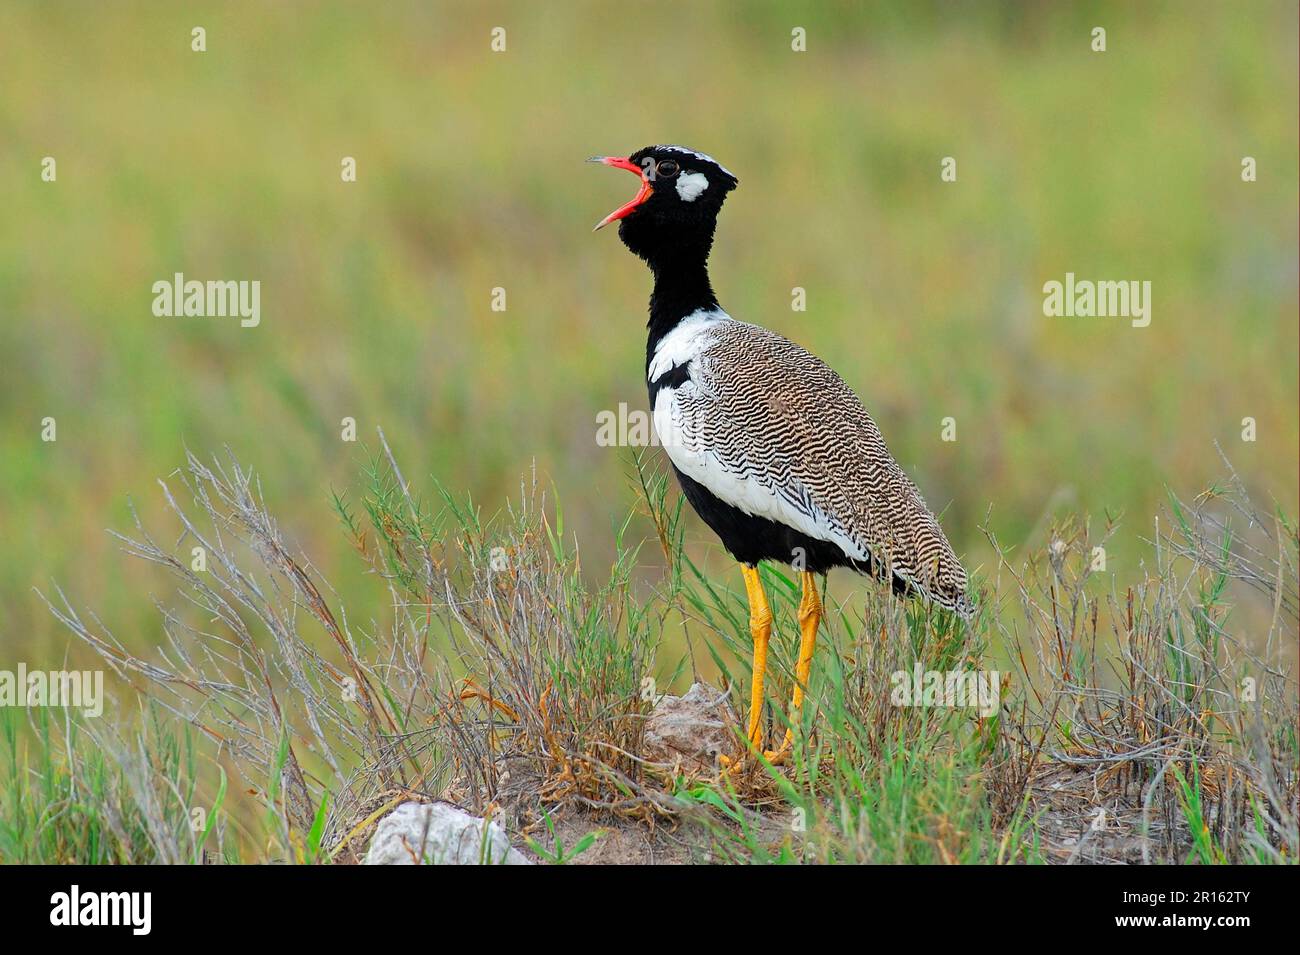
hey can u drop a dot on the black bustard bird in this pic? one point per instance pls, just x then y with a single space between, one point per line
773 450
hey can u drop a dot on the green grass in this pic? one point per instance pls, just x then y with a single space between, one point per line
497 676
67 797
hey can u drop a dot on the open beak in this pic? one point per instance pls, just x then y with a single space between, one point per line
641 196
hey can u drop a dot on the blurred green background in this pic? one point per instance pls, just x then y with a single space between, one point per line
376 294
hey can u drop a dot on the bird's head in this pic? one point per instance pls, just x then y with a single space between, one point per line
676 207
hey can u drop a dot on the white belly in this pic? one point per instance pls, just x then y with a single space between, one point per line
736 485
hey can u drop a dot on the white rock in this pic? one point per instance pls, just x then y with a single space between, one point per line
449 836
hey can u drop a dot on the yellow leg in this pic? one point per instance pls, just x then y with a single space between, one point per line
810 615
760 629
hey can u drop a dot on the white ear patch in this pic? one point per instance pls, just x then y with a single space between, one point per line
691 184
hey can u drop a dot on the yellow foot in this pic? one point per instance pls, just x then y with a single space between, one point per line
736 764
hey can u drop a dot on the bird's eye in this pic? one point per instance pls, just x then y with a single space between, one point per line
666 169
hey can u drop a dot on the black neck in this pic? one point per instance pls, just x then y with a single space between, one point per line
681 287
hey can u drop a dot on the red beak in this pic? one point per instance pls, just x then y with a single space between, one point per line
641 196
